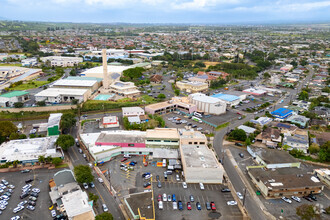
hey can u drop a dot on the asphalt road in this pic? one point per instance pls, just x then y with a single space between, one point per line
254 211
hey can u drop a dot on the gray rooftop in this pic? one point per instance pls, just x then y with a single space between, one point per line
63 177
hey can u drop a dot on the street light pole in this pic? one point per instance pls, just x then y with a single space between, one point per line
244 196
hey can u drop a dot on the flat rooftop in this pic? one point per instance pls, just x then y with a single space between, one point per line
199 156
76 203
111 69
14 94
73 83
189 134
142 201
121 136
288 178
272 156
53 92
204 98
165 133
226 97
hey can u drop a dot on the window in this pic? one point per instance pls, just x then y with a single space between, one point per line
195 142
201 142
167 141
131 145
190 142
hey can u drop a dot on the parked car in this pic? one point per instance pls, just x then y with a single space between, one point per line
286 199
100 180
164 197
295 198
124 159
159 197
145 174
201 186
180 205
188 205
36 190
92 185
198 206
22 203
32 198
184 185
28 180
32 203
30 207
169 198
241 155
192 198
177 177
213 206
175 205
160 205
312 197
145 185
34 194
173 198
225 190
239 195
208 206
24 195
85 185
159 184
18 208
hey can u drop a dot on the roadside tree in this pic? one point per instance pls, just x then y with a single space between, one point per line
65 141
83 174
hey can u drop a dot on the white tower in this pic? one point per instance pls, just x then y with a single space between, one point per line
105 69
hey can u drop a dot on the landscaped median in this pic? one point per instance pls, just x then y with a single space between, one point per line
219 127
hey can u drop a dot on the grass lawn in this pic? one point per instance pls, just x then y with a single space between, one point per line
29 85
62 165
11 64
222 126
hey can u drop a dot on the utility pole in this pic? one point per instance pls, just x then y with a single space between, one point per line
244 196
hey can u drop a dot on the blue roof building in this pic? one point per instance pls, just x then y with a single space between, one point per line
229 99
282 113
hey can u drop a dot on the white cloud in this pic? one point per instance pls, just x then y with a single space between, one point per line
200 4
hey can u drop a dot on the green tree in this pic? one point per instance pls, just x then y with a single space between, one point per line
93 197
15 163
324 154
18 104
161 96
13 136
67 121
296 153
56 161
177 92
247 142
22 136
238 134
83 174
65 141
104 216
74 101
286 147
307 212
41 159
314 148
303 95
6 128
266 75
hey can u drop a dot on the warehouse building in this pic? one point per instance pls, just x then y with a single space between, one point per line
230 100
199 163
255 92
60 95
10 98
114 72
91 85
99 80
27 151
207 104
282 113
62 61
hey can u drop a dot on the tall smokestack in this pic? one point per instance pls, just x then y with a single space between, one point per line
105 69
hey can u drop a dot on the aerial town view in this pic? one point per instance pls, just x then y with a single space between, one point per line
164 110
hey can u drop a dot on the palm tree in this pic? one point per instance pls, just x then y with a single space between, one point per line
41 159
15 163
48 159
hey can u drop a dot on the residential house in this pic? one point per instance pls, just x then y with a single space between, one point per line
270 137
299 120
299 142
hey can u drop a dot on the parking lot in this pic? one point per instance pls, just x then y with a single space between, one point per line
131 181
40 178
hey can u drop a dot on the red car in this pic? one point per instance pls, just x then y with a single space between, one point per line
238 113
213 206
123 160
188 206
159 197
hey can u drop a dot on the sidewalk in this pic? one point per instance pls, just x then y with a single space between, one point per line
248 186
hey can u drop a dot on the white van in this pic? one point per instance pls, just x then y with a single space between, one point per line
164 163
201 185
198 114
127 156
160 205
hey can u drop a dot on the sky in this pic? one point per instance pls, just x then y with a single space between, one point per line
168 11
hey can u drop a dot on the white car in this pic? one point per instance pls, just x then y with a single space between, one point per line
160 205
231 203
286 200
22 203
85 185
147 176
201 185
164 197
184 185
53 213
295 198
105 208
18 208
239 195
175 205
36 190
2 207
100 180
15 218
177 177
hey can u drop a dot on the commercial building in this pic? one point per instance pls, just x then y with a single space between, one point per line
53 125
125 89
14 73
192 87
132 111
109 122
162 138
27 151
281 113
255 92
91 85
68 197
218 74
29 62
61 95
114 72
207 104
122 139
99 80
141 205
177 103
62 61
230 100
247 129
198 161
272 159
276 183
324 175
111 54
10 98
